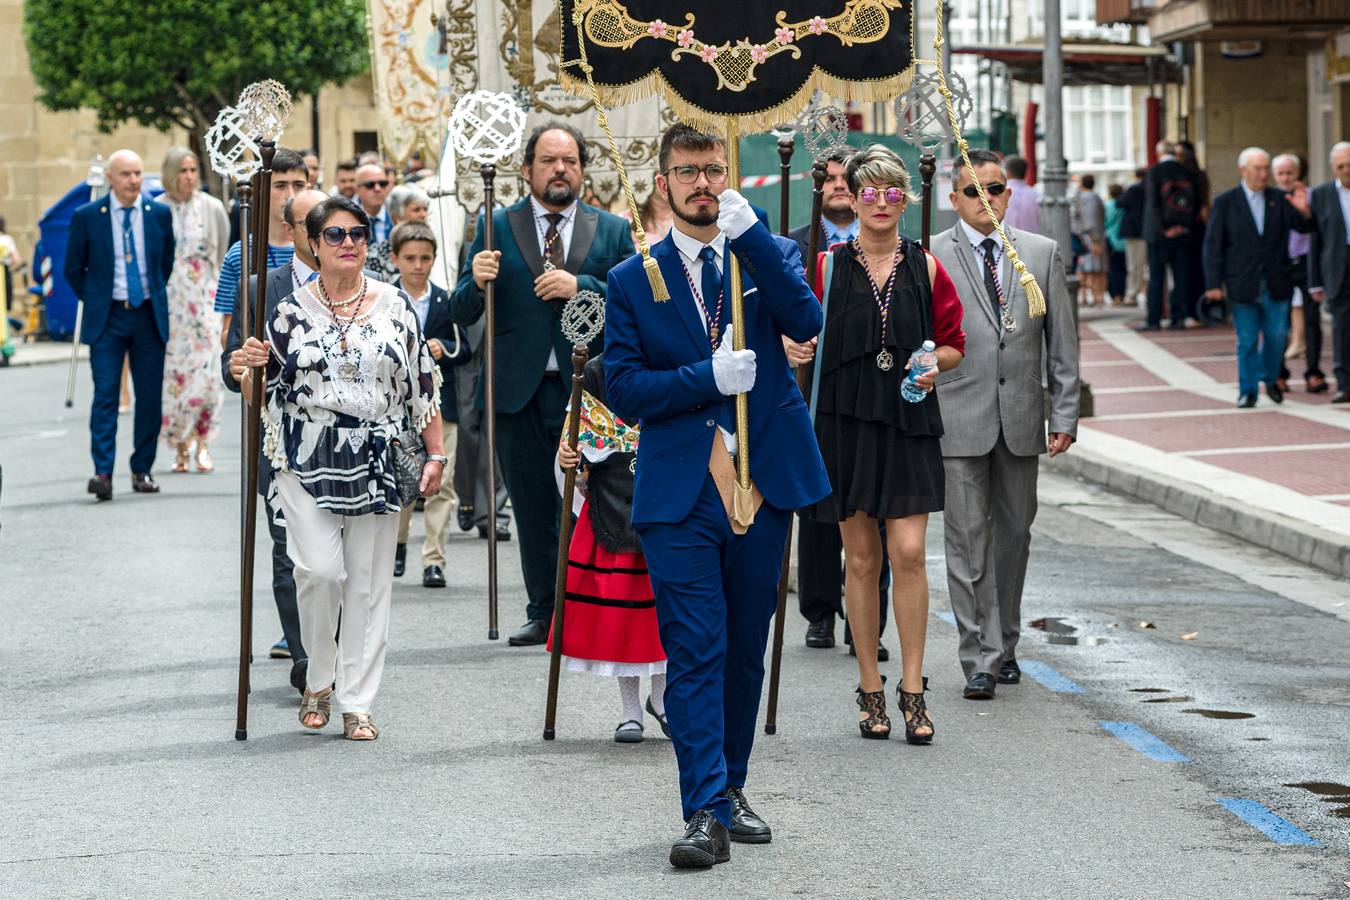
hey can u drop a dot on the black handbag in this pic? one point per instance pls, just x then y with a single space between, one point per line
407 456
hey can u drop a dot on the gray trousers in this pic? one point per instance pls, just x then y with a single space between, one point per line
471 463
990 505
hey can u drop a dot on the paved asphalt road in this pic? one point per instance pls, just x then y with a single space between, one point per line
1095 779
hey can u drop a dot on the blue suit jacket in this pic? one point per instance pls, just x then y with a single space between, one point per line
527 327
89 262
1239 259
658 371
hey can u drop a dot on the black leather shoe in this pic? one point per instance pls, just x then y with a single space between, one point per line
1341 397
503 533
979 687
706 842
820 634
1247 401
400 560
1010 672
532 632
883 655
101 487
142 483
746 827
1147 327
465 517
1275 392
299 669
433 577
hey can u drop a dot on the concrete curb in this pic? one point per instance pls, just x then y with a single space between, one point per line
43 354
1298 540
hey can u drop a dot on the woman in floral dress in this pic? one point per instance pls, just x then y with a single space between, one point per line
192 387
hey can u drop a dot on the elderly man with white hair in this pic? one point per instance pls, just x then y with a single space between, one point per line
118 261
1247 260
1305 318
1329 262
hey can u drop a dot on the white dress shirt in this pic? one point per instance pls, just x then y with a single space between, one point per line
421 305
301 273
119 291
1256 202
564 237
689 254
1343 194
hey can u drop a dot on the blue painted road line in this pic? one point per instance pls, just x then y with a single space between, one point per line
1049 678
948 617
1146 743
1278 829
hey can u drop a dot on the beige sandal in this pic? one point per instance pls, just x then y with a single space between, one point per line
320 704
353 722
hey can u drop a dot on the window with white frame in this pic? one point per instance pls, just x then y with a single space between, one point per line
1098 127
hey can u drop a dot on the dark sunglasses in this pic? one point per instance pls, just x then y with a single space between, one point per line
716 173
382 183
993 189
869 195
334 236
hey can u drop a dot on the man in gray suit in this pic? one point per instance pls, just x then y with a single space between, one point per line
993 419
1329 262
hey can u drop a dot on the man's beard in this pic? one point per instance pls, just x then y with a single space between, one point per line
556 194
699 219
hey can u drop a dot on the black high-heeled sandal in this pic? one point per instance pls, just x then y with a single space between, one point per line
874 704
916 715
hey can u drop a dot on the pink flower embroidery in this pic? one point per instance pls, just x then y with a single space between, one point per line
708 54
816 26
657 29
685 38
758 54
785 36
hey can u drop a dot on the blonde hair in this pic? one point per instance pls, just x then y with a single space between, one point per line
173 164
878 165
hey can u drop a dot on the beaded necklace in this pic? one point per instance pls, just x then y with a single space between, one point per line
711 320
346 370
882 296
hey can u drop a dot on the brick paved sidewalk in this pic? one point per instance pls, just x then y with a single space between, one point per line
1166 413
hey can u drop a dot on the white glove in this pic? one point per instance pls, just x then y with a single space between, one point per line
734 215
733 370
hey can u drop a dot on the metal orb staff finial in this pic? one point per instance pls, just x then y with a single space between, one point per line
266 109
230 146
923 114
583 317
486 126
824 130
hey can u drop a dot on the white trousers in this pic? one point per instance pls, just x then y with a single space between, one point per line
343 565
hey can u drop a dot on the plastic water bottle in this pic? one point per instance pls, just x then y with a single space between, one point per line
921 361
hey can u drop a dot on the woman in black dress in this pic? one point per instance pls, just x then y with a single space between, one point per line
884 296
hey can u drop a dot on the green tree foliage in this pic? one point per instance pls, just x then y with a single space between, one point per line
178 62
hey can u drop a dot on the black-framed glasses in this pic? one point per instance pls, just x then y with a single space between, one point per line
716 173
993 189
370 185
334 236
869 195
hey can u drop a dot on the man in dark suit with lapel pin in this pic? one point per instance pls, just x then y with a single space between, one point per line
282 281
550 245
118 261
1329 262
671 367
1247 259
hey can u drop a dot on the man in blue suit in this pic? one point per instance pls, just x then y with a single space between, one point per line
549 246
670 366
118 261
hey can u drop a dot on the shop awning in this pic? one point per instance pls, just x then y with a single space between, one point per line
1084 63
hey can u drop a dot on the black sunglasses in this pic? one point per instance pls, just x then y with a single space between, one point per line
993 189
334 236
382 183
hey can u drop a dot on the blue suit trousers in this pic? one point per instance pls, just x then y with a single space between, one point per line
715 594
129 332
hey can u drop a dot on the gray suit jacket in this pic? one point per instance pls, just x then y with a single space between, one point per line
997 387
1326 255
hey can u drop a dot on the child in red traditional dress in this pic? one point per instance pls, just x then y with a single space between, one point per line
609 615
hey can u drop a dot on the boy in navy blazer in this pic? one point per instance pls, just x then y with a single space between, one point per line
670 366
118 260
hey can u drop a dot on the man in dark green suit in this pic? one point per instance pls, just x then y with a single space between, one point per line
549 246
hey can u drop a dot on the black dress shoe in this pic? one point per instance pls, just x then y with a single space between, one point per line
532 632
1147 327
465 516
883 655
1010 672
400 560
706 842
1316 384
820 634
746 827
299 669
503 532
1247 401
1341 397
142 483
1275 392
979 687
433 577
101 487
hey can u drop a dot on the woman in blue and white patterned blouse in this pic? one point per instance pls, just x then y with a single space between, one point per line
348 372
